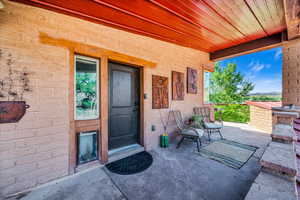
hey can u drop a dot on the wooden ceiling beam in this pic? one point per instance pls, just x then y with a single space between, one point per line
292 18
250 47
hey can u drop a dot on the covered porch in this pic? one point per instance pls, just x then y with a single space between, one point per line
105 74
175 174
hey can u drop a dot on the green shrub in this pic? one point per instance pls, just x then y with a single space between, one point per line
234 113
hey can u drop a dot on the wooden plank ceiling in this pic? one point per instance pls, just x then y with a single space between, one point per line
207 25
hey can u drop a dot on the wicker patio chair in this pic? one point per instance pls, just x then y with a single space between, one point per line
209 125
186 131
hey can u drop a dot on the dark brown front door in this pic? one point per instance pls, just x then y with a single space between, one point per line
124 105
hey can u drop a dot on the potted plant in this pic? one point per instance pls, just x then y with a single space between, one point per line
12 89
164 138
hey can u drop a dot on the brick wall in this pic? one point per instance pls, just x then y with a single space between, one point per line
261 118
291 73
35 150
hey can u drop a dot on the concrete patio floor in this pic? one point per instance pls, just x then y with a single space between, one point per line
175 174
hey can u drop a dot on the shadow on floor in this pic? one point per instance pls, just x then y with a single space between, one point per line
175 174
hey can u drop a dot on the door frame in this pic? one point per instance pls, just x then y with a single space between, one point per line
102 126
140 135
104 56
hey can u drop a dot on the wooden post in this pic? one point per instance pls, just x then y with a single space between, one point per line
72 135
104 109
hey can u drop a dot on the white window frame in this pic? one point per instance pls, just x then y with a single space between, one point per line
205 102
97 84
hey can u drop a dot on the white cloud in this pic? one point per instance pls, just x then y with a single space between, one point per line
278 54
257 66
268 85
252 63
250 75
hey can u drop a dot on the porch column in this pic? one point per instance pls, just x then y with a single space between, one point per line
291 73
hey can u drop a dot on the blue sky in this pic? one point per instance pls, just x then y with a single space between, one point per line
263 68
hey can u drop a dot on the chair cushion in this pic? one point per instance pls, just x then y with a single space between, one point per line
191 132
212 125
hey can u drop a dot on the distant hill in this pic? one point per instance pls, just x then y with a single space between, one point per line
265 94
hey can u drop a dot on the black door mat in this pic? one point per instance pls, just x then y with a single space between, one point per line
131 164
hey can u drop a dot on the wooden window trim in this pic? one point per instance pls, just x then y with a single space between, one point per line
77 144
88 58
203 83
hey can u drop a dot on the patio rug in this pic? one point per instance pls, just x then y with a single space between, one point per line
230 153
132 164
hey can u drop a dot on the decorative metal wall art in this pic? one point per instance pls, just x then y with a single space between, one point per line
160 94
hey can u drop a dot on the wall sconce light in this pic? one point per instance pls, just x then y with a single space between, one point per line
1 5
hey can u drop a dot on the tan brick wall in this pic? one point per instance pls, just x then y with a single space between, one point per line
35 150
291 73
261 118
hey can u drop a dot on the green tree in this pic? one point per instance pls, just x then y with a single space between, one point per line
227 85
